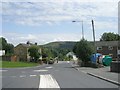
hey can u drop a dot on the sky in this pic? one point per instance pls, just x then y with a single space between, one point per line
45 21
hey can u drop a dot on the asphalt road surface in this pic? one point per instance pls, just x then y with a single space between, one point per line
60 75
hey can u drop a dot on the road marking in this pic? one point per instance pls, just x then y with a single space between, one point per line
40 70
33 75
22 76
49 67
47 81
3 70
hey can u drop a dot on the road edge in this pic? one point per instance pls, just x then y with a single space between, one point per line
100 77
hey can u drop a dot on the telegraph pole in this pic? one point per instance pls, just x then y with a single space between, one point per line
94 37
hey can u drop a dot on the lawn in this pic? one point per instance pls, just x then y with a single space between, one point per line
8 64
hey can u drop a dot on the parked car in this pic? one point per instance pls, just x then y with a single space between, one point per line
51 61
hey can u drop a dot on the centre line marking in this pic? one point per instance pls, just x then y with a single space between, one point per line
47 81
22 76
33 75
40 70
48 67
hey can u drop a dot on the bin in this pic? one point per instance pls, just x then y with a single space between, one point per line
93 58
107 60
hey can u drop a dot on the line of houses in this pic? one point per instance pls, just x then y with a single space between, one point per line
104 47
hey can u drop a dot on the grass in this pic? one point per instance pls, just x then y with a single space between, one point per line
8 64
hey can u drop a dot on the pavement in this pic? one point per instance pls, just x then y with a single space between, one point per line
101 73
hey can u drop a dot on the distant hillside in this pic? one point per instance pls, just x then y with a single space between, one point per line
61 45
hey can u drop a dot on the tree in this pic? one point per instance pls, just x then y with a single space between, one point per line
3 43
9 48
34 52
110 37
83 50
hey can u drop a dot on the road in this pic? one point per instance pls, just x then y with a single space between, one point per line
61 75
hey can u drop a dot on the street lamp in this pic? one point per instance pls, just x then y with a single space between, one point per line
82 28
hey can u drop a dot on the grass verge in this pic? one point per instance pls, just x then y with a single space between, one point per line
8 64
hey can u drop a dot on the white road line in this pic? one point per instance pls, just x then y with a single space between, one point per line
49 67
3 70
40 70
47 81
22 76
33 75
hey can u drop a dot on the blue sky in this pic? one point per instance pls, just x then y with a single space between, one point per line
48 21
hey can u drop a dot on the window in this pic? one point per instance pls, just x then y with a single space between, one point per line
110 47
99 48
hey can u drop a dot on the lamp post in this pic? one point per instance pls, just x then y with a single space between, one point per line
82 28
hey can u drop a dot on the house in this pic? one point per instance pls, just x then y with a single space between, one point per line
72 54
108 48
21 51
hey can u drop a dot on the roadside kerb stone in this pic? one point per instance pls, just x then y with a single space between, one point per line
111 81
98 76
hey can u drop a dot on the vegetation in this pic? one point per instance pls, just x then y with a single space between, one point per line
9 64
57 49
61 45
9 48
83 50
110 37
34 52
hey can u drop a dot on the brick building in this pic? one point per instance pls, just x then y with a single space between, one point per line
108 48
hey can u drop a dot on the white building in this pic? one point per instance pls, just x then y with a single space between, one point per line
2 52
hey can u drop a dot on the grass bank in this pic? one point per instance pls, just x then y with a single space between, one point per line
8 64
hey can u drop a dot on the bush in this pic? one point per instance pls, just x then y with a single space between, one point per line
83 50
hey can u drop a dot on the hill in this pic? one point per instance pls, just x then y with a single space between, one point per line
61 45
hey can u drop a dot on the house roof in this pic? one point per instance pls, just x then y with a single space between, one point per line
24 45
106 43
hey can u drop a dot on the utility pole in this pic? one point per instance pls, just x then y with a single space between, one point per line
94 37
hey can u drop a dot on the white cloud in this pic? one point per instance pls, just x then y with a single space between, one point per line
36 13
110 25
16 38
61 0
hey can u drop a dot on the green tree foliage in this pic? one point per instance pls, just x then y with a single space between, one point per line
110 37
83 50
50 52
34 52
3 43
9 48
